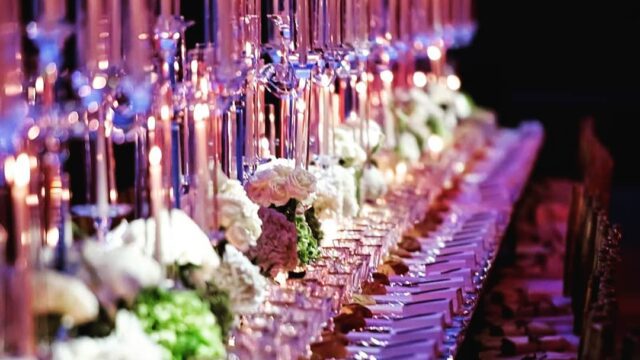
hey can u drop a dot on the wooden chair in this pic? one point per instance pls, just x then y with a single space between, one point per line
596 163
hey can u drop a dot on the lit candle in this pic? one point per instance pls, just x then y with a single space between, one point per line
225 33
102 187
200 118
138 56
334 22
300 132
18 321
116 31
323 124
165 7
53 10
93 41
389 121
302 15
335 121
272 128
155 189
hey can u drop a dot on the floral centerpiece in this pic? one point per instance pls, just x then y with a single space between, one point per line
186 315
427 118
286 195
360 162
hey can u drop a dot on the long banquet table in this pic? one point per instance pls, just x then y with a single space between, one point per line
422 313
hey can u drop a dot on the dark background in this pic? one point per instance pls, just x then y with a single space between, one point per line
558 62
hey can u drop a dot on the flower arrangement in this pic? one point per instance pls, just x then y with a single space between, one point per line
178 321
238 215
290 191
422 115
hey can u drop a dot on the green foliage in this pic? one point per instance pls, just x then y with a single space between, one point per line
180 322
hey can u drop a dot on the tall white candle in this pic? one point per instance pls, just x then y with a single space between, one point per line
116 31
138 56
165 7
271 115
302 15
386 97
335 121
201 116
157 206
19 338
102 187
301 106
225 33
53 10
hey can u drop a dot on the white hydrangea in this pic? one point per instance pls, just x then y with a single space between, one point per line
238 216
408 147
65 295
347 148
373 183
127 342
183 240
122 270
242 280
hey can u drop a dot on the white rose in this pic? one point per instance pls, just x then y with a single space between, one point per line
374 183
242 280
462 106
122 270
183 240
408 147
65 295
258 188
300 184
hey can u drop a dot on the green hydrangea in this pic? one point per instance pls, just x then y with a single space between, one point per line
180 322
308 246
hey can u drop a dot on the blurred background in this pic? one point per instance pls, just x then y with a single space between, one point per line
560 62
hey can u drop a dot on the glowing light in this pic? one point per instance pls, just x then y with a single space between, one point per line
32 200
386 76
93 106
301 105
103 64
18 170
94 124
165 112
434 53
73 117
200 112
453 82
458 167
53 236
40 85
151 123
435 143
361 87
419 79
33 132
50 69
401 171
99 82
113 195
155 156
84 90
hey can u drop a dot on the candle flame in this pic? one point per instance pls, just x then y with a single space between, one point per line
453 82
434 53
200 112
155 156
419 79
18 170
386 76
